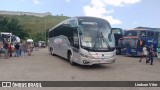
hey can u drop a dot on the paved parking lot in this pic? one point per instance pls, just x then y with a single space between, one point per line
41 66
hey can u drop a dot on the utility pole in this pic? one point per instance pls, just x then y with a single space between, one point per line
45 27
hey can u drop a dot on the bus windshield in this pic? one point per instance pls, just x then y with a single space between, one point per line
131 33
96 36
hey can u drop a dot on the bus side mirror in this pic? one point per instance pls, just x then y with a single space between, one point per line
80 33
76 40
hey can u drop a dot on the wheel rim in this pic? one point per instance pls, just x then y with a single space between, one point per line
71 59
52 51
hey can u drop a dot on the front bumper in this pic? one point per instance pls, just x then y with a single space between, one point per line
98 61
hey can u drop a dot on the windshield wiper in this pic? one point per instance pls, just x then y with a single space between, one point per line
100 39
105 40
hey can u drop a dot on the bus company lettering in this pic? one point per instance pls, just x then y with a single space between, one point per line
14 84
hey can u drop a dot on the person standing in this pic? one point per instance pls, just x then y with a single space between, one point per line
17 47
36 46
29 49
144 53
6 49
151 55
23 49
20 48
120 45
10 49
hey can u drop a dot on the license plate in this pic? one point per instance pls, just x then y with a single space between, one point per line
103 61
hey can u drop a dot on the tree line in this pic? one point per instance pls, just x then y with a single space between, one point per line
12 25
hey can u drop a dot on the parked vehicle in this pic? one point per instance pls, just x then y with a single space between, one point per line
135 39
5 36
83 40
42 44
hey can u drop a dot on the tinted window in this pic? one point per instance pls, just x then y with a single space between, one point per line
131 33
150 34
73 23
156 34
143 34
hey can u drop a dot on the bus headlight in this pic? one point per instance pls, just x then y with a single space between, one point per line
114 52
86 56
114 55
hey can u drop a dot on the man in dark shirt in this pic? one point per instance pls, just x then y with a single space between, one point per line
151 54
6 49
17 47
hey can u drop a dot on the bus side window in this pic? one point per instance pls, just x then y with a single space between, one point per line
156 34
143 34
150 34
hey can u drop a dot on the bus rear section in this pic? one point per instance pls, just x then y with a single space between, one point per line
83 40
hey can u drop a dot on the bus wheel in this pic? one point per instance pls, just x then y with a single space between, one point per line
70 57
52 52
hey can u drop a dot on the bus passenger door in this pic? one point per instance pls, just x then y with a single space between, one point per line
76 50
64 47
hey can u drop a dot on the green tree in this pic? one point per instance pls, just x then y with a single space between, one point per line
13 26
4 24
39 37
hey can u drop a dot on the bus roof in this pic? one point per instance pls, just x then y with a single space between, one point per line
145 28
84 17
79 18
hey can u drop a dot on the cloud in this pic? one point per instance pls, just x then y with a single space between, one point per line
36 2
120 2
96 11
68 0
112 20
97 3
135 23
98 8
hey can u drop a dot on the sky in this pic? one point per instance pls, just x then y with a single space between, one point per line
124 14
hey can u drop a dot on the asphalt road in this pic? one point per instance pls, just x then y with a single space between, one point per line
41 66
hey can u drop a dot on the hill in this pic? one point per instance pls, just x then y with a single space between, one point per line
37 24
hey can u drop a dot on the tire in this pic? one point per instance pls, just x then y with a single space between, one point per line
70 58
52 52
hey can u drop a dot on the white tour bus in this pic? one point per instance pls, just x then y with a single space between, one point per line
83 40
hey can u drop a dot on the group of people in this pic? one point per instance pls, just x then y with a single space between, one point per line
8 49
148 53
